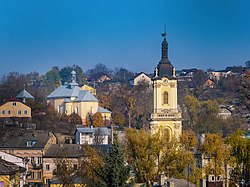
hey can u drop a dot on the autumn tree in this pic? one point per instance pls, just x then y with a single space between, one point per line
217 153
123 75
90 168
240 152
65 74
100 68
97 120
189 140
52 78
245 91
208 119
75 119
141 156
192 106
11 85
154 154
118 118
65 171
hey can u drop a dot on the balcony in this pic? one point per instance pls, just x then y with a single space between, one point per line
163 114
36 166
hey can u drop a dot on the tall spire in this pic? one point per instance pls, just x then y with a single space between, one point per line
165 68
164 45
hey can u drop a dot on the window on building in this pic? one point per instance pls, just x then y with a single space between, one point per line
19 112
30 143
47 167
32 159
31 175
212 178
39 175
47 181
58 108
63 109
165 98
9 112
14 104
76 110
75 166
3 112
39 160
25 112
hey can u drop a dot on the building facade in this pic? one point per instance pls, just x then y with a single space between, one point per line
31 146
15 108
86 135
70 98
166 114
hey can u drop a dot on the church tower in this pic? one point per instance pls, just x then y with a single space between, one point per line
166 114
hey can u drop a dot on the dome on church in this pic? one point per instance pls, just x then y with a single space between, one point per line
73 72
165 69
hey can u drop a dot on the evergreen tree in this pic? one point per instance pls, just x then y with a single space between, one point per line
115 172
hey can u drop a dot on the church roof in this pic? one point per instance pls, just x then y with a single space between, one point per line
103 110
24 94
65 91
72 90
85 95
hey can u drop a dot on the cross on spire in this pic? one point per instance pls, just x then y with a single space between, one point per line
164 34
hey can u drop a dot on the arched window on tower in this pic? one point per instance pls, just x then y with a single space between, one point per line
165 98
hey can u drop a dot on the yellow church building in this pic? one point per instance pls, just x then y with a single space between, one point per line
166 114
70 98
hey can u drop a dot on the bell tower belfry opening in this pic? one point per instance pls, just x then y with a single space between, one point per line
166 114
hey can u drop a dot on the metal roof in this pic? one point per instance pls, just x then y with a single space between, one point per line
68 91
65 91
102 110
24 94
102 130
85 95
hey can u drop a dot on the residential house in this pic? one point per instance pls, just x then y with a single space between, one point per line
19 161
55 155
234 70
10 174
225 112
90 135
14 108
70 98
185 74
209 84
31 146
98 78
69 153
141 78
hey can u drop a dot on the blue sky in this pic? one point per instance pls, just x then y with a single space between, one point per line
38 34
